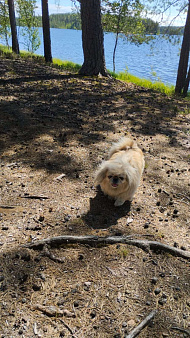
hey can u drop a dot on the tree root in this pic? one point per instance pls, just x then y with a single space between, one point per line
135 332
96 240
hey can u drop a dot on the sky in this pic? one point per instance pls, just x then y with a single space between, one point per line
56 6
65 6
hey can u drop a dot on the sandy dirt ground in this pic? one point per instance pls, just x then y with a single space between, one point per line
55 129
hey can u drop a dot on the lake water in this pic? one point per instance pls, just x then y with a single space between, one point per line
160 63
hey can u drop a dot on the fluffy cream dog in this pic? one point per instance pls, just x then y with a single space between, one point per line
119 176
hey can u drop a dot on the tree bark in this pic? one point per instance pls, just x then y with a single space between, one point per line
184 56
92 39
15 45
46 31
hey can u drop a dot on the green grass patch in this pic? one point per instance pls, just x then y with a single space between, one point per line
157 85
66 65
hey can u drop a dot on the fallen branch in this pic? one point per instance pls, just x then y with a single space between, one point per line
95 240
35 197
135 332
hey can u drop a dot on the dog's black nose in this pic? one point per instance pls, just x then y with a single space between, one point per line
115 179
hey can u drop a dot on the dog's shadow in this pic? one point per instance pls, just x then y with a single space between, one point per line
102 213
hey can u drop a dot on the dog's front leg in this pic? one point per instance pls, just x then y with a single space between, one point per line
119 201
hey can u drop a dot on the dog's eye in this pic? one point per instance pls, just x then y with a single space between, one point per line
110 176
121 178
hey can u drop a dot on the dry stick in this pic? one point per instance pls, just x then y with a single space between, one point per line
181 329
135 332
35 197
96 240
67 327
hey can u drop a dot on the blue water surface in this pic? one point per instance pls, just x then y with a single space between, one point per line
159 63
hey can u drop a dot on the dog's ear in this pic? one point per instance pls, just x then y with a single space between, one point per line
100 174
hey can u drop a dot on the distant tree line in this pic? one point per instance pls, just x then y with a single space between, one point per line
73 21
67 20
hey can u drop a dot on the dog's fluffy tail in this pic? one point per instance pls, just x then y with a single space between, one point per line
123 144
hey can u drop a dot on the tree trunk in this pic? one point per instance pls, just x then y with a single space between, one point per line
184 56
15 46
186 85
92 39
46 31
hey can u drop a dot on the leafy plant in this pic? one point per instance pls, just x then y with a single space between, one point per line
124 17
27 22
4 22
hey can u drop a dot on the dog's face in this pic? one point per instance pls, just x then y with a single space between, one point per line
116 180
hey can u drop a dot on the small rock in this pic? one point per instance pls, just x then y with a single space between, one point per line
162 301
36 287
67 218
157 291
76 303
154 280
93 314
124 324
162 274
80 257
41 218
87 286
146 226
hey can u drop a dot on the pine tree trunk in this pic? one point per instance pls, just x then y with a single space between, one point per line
46 31
92 39
15 45
184 56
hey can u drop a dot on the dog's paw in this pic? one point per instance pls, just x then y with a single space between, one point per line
119 202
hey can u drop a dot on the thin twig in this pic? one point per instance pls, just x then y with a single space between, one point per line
135 332
67 327
181 329
48 254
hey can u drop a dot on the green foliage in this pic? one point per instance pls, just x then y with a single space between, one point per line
67 21
4 21
125 17
27 22
150 26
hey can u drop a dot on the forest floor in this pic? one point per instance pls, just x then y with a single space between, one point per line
55 129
